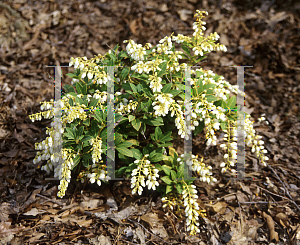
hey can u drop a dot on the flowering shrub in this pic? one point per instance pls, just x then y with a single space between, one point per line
150 89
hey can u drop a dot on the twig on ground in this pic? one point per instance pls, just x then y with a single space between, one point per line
149 231
49 200
286 190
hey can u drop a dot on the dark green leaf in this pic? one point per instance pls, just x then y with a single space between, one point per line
186 50
124 144
71 133
166 88
163 68
131 118
173 175
167 180
136 154
76 160
166 169
69 88
124 151
210 98
199 128
93 103
156 158
158 133
124 73
154 122
71 75
169 189
136 124
232 102
133 87
179 188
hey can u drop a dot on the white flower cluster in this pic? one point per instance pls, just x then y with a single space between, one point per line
155 83
181 38
48 149
136 51
230 157
96 144
191 209
164 45
144 171
199 167
97 174
101 96
63 171
89 70
151 65
162 104
255 141
180 123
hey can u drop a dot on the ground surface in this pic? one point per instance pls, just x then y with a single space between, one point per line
262 34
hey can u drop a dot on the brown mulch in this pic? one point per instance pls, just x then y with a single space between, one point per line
262 34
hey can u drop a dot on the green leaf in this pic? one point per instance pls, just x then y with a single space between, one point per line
209 86
167 180
71 133
180 172
69 136
79 131
71 75
131 118
143 76
139 87
79 88
154 122
186 50
166 169
121 171
163 67
124 151
69 88
158 133
118 138
98 116
232 102
210 98
166 88
86 122
173 175
156 158
199 128
133 87
158 166
174 92
169 189
94 128
166 137
179 188
136 124
136 154
199 85
223 125
122 54
76 160
86 138
200 59
124 144
71 102
124 73
93 103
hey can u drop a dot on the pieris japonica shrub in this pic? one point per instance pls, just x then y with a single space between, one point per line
149 85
